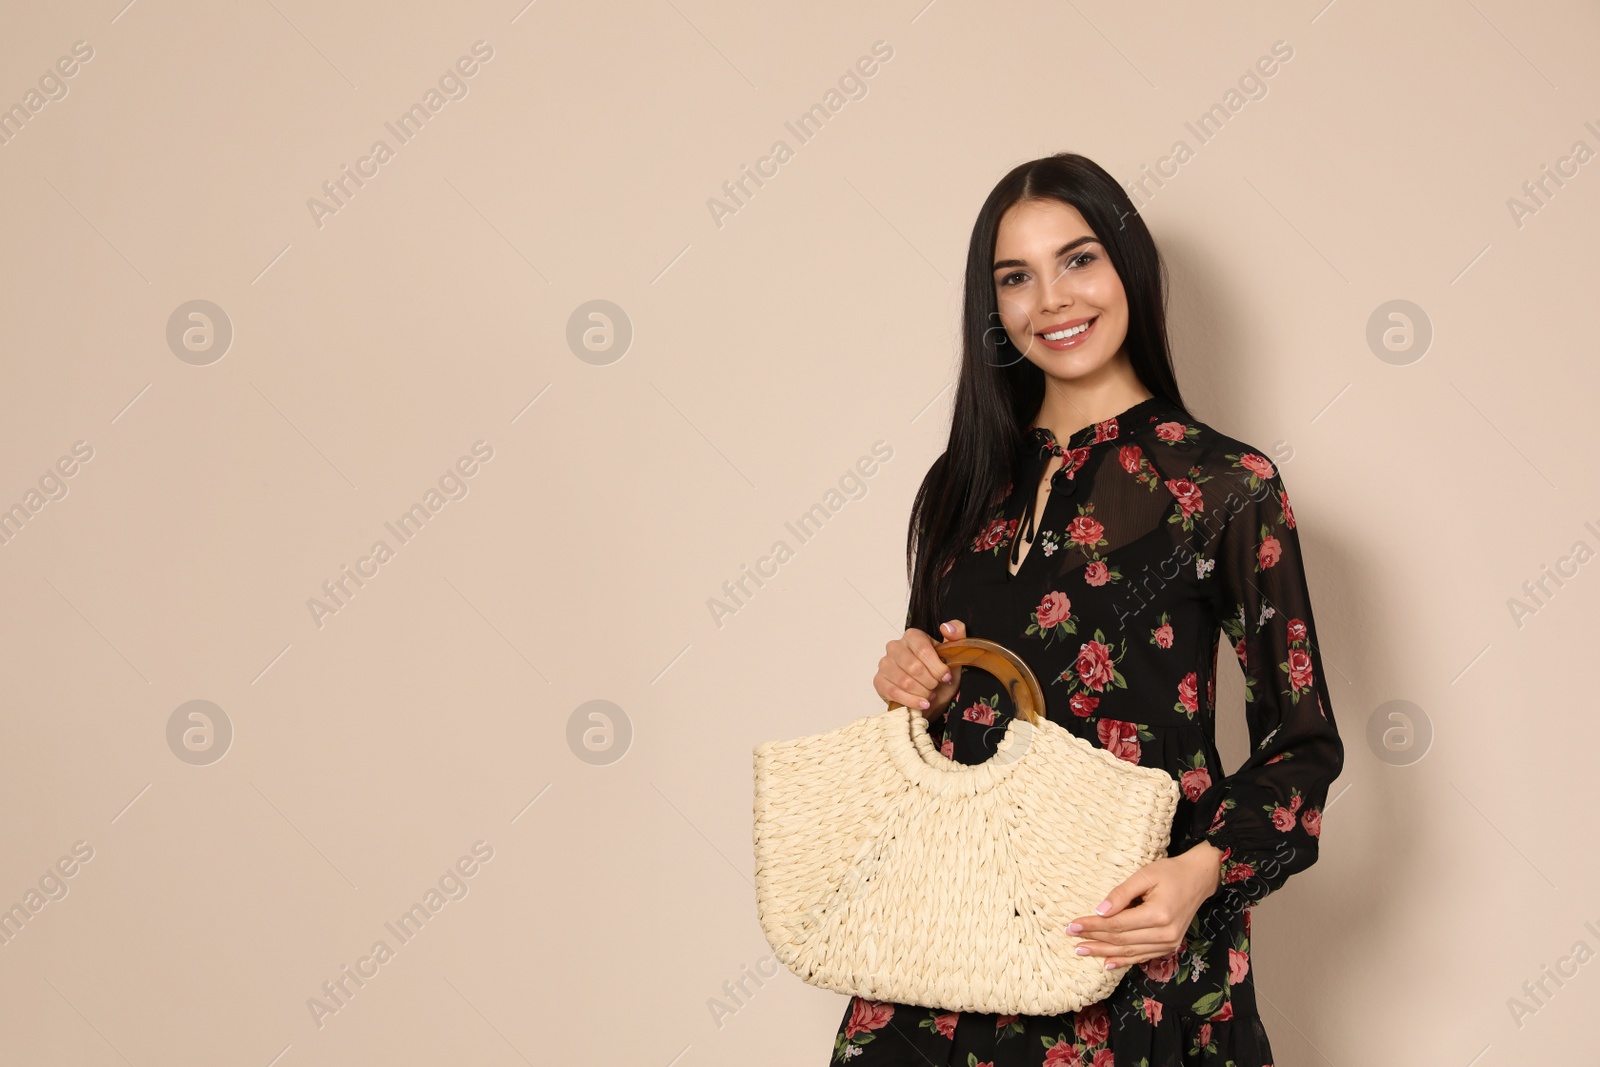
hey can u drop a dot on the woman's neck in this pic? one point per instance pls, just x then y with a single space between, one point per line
1070 405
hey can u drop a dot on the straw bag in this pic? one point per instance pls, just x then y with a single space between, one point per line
887 871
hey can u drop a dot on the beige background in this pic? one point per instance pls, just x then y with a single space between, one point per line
432 311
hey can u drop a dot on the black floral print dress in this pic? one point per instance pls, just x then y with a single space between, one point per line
1160 536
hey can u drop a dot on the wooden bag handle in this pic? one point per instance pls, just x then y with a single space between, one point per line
1004 664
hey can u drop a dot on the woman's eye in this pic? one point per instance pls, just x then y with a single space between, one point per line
1081 258
1007 280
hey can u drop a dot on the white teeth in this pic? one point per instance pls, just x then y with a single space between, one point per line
1061 335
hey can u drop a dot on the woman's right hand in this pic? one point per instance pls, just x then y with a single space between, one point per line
911 672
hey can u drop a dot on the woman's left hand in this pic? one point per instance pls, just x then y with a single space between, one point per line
1173 890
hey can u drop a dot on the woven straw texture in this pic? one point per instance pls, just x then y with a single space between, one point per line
887 871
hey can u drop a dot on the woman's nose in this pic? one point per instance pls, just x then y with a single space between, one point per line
1055 295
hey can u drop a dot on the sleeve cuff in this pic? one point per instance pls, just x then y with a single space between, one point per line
1248 874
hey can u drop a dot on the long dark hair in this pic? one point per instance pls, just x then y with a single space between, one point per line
1000 390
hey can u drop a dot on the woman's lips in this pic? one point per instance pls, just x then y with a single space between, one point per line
1070 342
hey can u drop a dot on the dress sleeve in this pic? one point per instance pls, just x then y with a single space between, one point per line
1266 816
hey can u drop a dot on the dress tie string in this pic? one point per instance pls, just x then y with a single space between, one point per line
1027 524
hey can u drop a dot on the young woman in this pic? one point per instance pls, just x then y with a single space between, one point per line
1084 519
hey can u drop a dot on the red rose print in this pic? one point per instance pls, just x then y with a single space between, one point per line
945 1023
995 534
1225 1014
1295 802
1083 705
1203 1035
1105 430
1269 553
1103 1058
1163 635
1094 665
948 749
1062 1054
1283 819
1003 1021
1097 573
1238 966
1084 530
980 713
1130 457
1258 465
1121 739
1170 431
1162 968
1288 512
1195 782
1054 608
1093 1024
1187 494
1299 668
1189 692
1239 650
1297 630
1152 1009
867 1015
1238 872
1071 459
1311 819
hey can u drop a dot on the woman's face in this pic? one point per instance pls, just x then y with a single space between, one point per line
1061 301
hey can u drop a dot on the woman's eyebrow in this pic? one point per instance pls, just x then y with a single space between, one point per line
1063 250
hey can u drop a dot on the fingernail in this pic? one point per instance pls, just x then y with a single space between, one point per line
945 627
1073 928
1083 950
924 703
1109 965
1100 908
947 676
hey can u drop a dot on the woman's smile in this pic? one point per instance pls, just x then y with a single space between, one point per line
1067 334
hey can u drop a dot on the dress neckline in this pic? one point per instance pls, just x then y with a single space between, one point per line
1121 425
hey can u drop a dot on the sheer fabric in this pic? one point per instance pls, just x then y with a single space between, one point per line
1160 539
